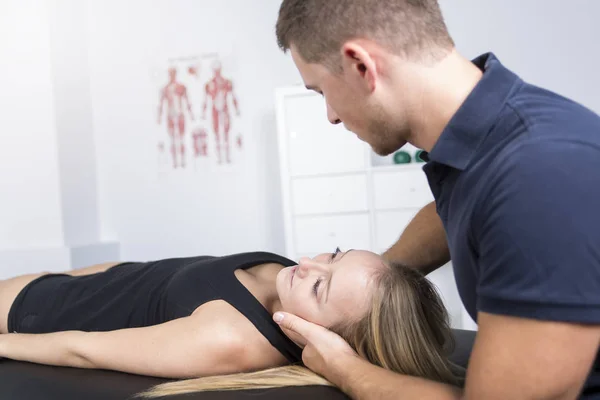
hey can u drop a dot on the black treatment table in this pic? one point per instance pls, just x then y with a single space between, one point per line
26 381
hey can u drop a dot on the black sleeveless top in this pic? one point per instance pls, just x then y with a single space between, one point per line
143 294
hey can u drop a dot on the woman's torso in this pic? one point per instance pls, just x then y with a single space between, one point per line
244 277
142 294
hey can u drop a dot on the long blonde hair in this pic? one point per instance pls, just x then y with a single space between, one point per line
406 331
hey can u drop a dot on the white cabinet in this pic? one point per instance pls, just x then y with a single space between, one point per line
337 192
314 146
330 194
406 188
323 234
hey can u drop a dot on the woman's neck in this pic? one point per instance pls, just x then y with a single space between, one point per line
274 305
260 280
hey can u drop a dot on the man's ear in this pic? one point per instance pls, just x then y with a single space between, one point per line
359 65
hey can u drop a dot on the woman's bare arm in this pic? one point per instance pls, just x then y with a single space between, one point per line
51 348
183 348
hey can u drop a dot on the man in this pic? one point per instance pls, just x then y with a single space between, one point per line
514 171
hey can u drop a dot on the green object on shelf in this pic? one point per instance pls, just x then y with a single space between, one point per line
402 157
418 156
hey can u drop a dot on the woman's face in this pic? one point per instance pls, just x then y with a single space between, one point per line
329 288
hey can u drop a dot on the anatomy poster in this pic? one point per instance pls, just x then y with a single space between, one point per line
197 113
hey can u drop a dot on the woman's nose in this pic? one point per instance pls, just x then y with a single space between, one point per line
306 266
301 271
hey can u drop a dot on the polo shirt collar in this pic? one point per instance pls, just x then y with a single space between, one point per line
475 118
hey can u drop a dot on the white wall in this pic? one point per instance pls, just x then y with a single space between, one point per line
217 210
550 43
48 218
72 104
29 212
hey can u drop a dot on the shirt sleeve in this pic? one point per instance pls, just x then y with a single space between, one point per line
538 234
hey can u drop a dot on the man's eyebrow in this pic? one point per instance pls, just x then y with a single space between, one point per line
310 87
329 282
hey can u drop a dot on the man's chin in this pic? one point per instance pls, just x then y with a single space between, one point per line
386 150
383 152
380 152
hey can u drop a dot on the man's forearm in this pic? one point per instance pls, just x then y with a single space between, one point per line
362 380
46 348
423 244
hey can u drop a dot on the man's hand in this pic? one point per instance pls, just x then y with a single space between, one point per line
330 356
321 345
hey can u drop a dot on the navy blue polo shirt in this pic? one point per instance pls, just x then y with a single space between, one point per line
516 179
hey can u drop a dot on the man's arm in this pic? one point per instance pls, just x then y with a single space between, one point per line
513 358
362 380
423 243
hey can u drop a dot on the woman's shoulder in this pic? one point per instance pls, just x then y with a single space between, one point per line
225 321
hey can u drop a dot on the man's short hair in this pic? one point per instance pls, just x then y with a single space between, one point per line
318 28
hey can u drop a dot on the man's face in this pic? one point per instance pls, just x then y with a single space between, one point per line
348 102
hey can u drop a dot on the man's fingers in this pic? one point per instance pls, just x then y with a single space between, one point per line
294 337
293 323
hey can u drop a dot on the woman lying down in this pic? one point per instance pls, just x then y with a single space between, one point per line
208 320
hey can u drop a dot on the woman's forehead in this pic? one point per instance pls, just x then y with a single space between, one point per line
349 287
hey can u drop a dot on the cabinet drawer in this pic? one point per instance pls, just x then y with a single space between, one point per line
314 144
324 234
329 194
401 189
389 225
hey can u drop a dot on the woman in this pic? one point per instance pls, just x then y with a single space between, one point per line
211 317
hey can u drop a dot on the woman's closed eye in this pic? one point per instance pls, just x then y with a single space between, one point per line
316 286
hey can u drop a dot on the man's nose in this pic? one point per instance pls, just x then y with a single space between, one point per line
332 116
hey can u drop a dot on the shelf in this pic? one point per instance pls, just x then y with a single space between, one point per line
408 151
329 214
397 167
328 174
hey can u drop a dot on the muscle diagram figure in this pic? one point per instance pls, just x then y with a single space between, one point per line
174 94
219 90
199 137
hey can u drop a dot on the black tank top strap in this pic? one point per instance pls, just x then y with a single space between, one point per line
236 294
